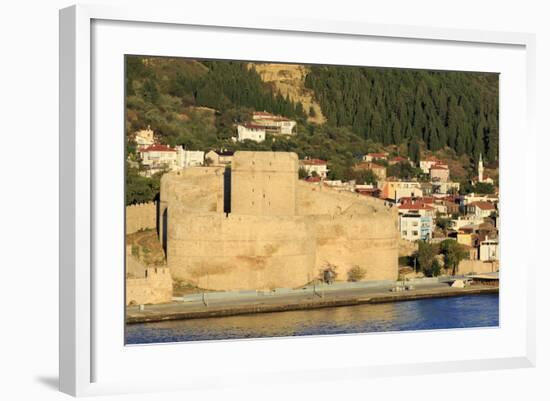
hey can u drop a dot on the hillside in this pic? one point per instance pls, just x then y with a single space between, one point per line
197 103
289 79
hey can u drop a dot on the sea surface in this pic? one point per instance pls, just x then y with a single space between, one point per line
424 314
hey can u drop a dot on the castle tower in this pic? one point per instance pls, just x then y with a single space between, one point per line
480 169
264 183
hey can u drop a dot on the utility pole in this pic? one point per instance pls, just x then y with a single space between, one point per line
204 300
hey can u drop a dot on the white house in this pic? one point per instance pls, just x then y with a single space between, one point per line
472 197
480 209
156 158
369 157
252 132
414 227
189 158
457 224
488 250
316 166
276 125
397 189
445 187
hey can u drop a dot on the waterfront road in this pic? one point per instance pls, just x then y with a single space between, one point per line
216 304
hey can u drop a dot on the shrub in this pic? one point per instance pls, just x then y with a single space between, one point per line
434 270
329 271
356 273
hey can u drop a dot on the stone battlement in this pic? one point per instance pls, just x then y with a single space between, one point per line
141 216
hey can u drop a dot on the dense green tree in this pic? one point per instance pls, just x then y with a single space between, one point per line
403 170
426 254
438 108
414 151
483 188
433 270
453 253
140 189
365 177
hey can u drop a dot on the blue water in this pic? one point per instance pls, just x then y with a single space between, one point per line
424 314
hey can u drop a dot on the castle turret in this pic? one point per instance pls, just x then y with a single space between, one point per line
264 183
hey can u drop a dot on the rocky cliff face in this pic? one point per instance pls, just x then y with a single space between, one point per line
289 80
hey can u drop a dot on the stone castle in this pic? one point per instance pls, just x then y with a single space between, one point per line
256 226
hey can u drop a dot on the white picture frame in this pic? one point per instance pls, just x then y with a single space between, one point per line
85 331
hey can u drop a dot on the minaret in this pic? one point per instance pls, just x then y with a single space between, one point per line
480 169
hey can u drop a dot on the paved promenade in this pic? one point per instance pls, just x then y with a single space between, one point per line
217 304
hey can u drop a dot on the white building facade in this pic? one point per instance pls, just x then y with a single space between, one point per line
251 132
189 158
276 125
414 227
488 250
317 166
156 158
480 209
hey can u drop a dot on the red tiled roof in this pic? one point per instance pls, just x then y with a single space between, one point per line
367 190
483 205
416 206
158 148
313 179
313 162
420 199
253 126
439 167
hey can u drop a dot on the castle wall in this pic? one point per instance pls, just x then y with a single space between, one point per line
350 230
280 232
197 189
359 240
141 217
316 199
239 252
154 288
146 285
258 252
264 183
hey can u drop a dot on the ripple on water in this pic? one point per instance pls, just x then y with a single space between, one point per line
424 314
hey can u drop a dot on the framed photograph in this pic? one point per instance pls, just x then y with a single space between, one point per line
291 198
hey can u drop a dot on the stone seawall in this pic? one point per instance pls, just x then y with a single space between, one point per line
181 311
477 266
